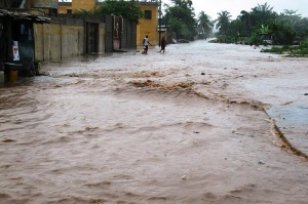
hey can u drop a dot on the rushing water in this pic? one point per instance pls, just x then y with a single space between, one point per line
187 126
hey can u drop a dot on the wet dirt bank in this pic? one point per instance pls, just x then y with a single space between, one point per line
184 127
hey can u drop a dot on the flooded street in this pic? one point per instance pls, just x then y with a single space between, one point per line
201 123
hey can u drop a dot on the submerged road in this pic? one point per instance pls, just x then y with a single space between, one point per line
201 123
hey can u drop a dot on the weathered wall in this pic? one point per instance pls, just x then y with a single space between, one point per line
72 41
101 38
128 36
88 5
44 3
47 42
52 41
64 38
64 7
109 34
38 41
67 37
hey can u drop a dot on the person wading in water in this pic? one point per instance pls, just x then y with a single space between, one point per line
146 44
162 45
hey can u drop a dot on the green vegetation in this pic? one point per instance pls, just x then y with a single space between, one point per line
204 26
262 26
288 31
127 9
223 23
180 19
295 51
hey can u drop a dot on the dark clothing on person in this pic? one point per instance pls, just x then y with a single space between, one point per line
162 45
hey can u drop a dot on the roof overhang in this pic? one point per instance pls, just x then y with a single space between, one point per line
20 15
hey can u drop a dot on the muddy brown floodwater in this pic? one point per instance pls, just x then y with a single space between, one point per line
198 124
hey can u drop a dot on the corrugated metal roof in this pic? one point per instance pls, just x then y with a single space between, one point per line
23 15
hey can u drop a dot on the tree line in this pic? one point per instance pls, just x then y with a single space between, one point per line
260 25
263 25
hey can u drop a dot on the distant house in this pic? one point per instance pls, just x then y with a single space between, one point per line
146 26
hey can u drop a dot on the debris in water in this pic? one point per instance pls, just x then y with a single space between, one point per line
8 140
184 178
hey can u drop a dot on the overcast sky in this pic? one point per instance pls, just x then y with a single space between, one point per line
212 7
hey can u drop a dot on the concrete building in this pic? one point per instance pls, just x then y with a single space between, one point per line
149 23
146 26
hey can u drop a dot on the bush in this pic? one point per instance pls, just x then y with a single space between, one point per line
276 50
294 51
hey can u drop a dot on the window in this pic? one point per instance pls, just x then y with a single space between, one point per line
148 14
69 11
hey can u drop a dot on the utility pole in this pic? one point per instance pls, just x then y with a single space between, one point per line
159 23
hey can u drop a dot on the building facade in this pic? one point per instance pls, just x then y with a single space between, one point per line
146 25
77 5
149 23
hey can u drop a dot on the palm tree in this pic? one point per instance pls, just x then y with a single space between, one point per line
204 25
246 24
262 14
180 19
223 22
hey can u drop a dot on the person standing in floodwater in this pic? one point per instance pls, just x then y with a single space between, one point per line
146 44
162 45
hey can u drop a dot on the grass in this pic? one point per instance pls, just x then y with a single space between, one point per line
300 50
